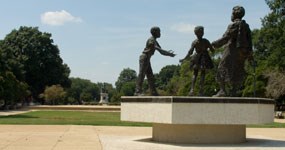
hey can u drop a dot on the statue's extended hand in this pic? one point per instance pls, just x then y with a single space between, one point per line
171 53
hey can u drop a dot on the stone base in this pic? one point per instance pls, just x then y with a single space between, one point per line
190 120
199 134
197 110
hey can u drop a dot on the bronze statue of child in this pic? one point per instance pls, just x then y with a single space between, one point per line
145 66
201 61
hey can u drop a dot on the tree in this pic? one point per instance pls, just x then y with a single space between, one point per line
86 96
126 80
54 95
40 58
274 37
165 74
269 48
83 90
269 41
128 89
13 88
276 85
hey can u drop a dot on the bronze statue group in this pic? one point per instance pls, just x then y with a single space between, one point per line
237 49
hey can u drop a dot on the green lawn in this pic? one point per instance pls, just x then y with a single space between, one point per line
85 118
68 118
268 125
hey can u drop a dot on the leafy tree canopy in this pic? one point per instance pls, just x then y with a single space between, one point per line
126 75
42 64
54 94
83 90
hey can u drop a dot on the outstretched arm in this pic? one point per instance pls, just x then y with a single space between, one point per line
222 41
165 52
190 52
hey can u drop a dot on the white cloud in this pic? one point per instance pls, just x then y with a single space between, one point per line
183 27
58 18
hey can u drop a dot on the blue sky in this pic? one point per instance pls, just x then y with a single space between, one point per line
99 38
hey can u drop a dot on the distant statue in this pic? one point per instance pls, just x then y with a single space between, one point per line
104 96
201 60
238 48
144 61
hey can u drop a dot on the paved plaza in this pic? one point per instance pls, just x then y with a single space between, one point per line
71 137
75 137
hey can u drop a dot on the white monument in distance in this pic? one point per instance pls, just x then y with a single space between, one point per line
104 97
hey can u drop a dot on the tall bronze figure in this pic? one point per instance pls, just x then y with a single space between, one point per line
145 66
238 48
201 60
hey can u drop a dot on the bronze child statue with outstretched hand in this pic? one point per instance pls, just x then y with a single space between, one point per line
144 62
201 60
238 49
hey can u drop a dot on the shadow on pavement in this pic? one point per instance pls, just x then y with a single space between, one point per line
251 142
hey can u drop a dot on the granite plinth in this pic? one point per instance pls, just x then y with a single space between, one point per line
195 118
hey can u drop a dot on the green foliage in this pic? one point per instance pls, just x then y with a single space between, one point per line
127 75
125 85
258 77
86 96
87 92
276 85
180 82
82 90
11 62
35 52
12 90
210 85
128 88
164 76
269 52
54 95
269 41
116 98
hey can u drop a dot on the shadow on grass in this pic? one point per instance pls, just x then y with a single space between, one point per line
17 116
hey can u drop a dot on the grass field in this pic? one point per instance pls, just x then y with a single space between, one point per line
269 125
85 118
68 118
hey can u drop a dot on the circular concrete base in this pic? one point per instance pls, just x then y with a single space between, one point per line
193 134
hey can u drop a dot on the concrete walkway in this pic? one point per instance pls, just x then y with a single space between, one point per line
13 112
97 108
70 137
279 120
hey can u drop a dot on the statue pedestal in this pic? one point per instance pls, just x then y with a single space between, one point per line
197 119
